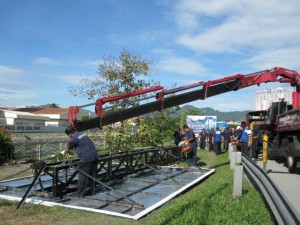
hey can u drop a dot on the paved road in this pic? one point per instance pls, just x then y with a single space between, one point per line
288 184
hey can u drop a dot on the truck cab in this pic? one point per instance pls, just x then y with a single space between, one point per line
282 124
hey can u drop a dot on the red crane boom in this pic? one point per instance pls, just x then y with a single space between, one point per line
209 88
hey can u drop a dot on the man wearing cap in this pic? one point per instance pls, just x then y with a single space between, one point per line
88 157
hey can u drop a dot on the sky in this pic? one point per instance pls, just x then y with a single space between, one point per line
46 46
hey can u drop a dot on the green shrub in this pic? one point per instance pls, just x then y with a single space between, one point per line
117 140
6 146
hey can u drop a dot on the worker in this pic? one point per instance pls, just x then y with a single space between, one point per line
88 158
209 139
256 141
236 132
244 139
202 138
227 138
192 141
216 140
177 136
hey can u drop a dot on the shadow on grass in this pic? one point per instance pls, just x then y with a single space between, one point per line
244 192
223 152
219 165
202 164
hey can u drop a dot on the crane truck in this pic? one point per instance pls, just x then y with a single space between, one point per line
282 124
282 121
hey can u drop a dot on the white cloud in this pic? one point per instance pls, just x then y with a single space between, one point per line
69 79
151 36
286 57
13 78
62 62
93 63
11 97
181 65
5 70
231 26
47 61
215 8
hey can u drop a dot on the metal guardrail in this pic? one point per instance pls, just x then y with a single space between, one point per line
281 208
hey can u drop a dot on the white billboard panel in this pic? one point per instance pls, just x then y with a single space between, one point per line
197 123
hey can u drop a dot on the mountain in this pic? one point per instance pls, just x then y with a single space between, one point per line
207 111
221 116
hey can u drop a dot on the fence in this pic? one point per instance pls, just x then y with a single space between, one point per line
39 146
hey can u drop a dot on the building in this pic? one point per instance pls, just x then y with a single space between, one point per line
11 117
264 98
55 117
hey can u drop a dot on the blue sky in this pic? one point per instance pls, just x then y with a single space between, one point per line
46 45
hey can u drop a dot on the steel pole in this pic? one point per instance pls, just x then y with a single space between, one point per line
265 152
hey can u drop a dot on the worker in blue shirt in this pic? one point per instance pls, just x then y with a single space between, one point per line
217 139
88 158
244 139
192 141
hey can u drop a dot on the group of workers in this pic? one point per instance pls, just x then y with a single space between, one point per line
212 140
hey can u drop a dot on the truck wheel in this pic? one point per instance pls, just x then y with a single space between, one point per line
291 163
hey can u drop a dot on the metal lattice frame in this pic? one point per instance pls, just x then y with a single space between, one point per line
111 166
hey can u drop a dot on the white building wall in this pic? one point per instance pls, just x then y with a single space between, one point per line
9 121
264 98
57 123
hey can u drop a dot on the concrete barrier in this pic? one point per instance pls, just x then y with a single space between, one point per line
232 160
238 181
230 150
236 163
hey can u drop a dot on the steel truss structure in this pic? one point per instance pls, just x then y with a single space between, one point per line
129 184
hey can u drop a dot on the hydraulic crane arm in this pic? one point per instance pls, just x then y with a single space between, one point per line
287 76
209 89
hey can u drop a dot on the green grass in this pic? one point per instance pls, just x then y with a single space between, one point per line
210 202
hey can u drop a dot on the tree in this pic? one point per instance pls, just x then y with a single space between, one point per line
54 105
158 128
116 75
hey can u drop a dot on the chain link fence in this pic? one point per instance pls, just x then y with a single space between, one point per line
42 146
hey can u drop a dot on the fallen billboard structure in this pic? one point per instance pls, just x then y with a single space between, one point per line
132 195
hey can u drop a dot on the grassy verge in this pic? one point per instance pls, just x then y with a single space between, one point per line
208 203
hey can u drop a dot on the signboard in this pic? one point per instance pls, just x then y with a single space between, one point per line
197 123
222 125
32 129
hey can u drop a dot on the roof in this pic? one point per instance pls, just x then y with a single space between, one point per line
30 110
51 111
25 115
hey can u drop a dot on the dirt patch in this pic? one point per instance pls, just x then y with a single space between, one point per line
15 171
